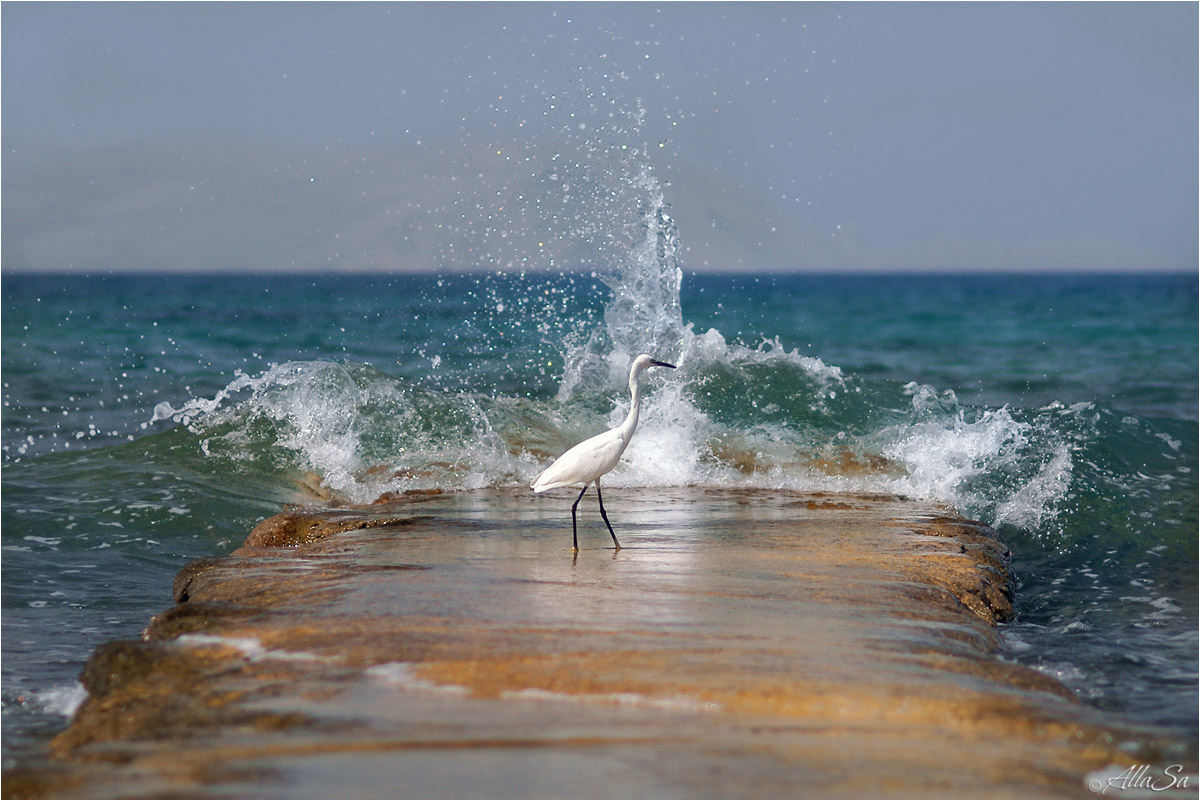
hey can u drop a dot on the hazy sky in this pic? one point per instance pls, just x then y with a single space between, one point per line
794 136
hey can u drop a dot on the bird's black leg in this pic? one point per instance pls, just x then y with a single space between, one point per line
605 515
574 532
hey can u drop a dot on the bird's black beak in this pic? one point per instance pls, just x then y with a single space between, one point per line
657 363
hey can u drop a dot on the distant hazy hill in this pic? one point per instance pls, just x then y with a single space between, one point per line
206 205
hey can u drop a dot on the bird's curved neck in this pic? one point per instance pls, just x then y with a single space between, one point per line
635 402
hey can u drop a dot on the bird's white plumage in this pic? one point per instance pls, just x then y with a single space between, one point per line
584 462
595 456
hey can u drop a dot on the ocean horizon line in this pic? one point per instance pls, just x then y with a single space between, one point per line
916 272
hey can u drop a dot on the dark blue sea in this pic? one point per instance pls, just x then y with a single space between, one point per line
152 419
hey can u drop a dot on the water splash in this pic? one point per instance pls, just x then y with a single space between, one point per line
624 223
350 430
731 415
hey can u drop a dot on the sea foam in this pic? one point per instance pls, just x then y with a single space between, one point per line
62 701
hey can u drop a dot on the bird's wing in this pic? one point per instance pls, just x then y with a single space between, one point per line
585 462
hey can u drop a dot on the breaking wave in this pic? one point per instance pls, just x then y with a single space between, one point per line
733 414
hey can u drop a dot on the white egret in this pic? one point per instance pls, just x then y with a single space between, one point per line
595 456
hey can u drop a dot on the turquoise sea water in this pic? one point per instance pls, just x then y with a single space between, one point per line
150 420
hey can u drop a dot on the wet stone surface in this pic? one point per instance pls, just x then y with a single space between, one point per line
742 643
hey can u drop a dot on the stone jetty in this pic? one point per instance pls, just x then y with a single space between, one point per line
743 643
